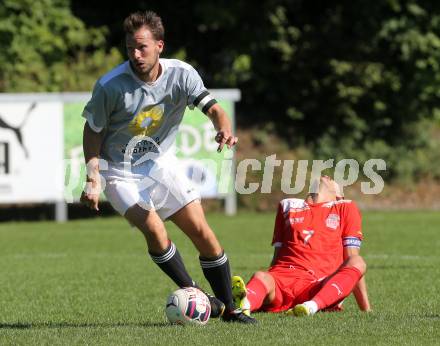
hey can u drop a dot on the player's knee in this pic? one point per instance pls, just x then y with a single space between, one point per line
201 232
263 277
154 232
152 227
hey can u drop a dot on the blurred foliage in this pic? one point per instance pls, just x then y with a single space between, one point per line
43 47
351 79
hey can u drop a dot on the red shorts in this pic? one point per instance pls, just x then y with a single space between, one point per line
292 286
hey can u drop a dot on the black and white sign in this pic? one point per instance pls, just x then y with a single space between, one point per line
31 152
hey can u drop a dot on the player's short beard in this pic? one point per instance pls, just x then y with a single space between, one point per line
149 68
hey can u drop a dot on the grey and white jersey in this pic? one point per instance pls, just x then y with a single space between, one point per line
125 107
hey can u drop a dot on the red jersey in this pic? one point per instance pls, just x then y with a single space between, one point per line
312 236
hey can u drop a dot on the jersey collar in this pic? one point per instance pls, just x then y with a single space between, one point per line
140 81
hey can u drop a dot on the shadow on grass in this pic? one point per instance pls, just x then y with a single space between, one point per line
58 325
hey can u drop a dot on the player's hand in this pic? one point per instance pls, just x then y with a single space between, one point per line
90 195
225 137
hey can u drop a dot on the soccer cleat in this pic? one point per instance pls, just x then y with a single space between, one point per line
238 316
239 293
217 306
300 310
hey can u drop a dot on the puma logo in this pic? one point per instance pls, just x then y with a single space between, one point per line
17 130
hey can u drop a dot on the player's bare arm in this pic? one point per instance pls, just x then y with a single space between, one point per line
223 127
360 290
91 145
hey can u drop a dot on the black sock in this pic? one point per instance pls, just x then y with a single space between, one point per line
218 274
172 265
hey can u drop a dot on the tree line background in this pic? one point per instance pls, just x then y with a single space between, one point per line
347 79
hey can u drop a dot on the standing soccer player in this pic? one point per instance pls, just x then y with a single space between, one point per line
132 121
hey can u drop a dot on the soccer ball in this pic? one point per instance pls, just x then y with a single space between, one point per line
188 305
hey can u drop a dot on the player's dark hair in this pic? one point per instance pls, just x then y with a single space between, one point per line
150 19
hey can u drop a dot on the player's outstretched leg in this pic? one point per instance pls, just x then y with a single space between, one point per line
168 259
338 286
213 260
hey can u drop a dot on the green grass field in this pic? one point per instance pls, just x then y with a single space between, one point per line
91 282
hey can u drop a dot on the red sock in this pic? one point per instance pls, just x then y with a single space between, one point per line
338 287
256 292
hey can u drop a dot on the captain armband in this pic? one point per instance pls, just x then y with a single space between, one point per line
204 101
351 242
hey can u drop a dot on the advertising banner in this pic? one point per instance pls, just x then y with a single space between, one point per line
31 152
195 146
41 157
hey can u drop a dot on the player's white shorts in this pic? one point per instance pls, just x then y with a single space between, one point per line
162 187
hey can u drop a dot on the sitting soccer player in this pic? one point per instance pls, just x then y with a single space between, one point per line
316 262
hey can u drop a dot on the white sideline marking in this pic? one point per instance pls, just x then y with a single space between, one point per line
65 255
400 257
39 255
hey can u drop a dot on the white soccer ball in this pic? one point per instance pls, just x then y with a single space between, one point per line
188 306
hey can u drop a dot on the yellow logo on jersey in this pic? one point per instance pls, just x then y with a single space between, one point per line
147 121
